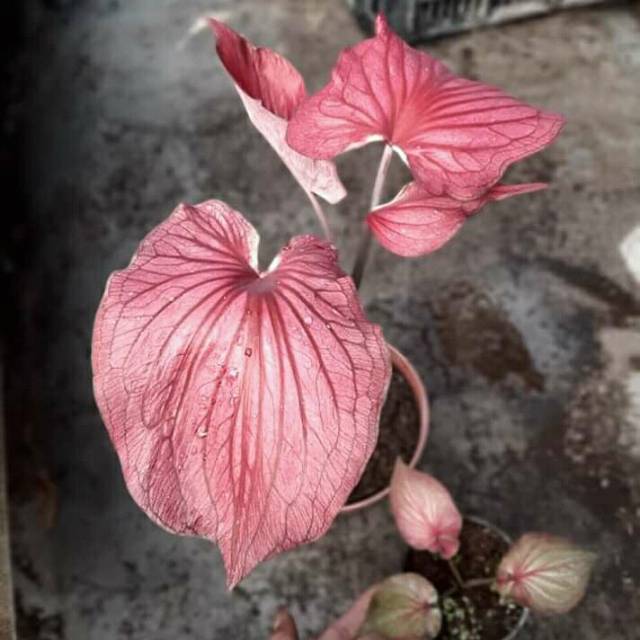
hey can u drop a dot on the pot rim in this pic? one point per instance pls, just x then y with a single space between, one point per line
402 364
524 616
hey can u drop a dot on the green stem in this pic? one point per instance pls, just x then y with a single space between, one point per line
456 573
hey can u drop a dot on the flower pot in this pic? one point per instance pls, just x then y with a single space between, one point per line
481 616
380 465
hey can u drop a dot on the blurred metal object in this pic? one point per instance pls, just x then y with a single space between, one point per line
423 19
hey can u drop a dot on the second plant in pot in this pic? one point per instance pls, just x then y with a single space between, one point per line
463 579
244 402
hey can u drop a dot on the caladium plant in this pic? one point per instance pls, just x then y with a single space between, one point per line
244 402
545 573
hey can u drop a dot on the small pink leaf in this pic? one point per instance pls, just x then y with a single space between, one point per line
404 607
458 136
243 405
271 89
415 222
546 573
424 511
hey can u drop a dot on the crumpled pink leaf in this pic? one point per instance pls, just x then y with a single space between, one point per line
424 511
243 405
344 628
415 222
348 625
458 136
547 573
271 89
284 626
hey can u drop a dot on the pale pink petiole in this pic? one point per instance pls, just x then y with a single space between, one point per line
376 195
320 214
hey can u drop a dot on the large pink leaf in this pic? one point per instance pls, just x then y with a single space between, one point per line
243 405
458 136
271 89
415 222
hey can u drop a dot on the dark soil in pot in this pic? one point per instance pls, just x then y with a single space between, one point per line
398 436
475 613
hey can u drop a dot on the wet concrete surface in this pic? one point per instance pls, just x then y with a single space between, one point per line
526 327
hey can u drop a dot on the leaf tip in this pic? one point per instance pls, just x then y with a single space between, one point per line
381 24
219 29
284 626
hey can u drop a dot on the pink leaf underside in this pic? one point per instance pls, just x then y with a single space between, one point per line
243 406
271 89
424 512
415 222
545 572
458 136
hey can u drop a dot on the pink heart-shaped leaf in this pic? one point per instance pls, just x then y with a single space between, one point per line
271 89
243 405
424 511
403 607
547 573
415 222
457 135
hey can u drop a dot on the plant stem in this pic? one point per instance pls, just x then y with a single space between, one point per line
469 584
477 582
383 168
322 218
376 195
465 584
456 573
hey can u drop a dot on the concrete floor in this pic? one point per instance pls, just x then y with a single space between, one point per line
526 327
